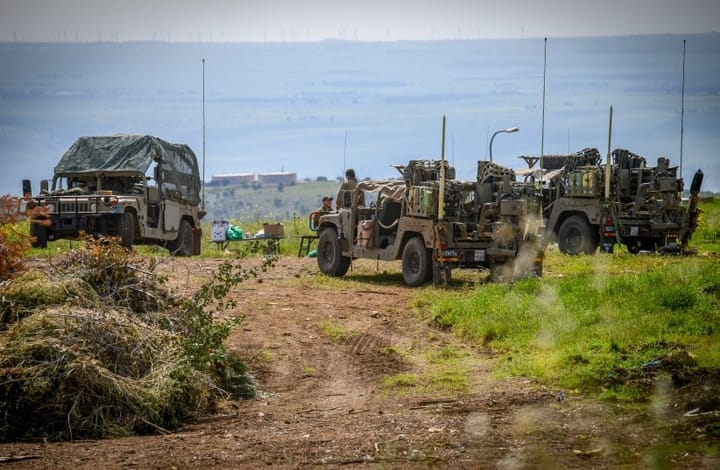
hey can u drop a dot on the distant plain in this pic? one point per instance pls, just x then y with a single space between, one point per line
315 108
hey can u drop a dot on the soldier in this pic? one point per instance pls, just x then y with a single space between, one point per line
347 187
325 207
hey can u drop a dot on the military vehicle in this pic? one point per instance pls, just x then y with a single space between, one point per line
434 224
588 204
137 187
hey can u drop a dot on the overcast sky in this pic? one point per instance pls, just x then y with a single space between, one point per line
366 20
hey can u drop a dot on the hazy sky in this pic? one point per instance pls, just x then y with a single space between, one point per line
302 20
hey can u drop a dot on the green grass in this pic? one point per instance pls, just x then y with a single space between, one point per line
441 371
707 235
336 332
590 317
595 323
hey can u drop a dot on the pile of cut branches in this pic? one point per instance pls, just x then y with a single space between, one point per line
98 346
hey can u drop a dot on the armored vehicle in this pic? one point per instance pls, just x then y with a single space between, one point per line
141 188
589 204
435 223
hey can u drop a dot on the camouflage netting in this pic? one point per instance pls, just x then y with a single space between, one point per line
134 154
99 347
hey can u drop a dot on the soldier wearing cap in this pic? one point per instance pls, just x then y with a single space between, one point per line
325 207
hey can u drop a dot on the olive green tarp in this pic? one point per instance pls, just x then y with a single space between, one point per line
134 154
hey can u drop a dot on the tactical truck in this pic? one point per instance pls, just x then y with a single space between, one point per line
137 187
589 204
435 223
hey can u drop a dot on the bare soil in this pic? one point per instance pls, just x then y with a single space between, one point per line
324 402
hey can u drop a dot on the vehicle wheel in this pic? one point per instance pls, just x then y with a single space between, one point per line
416 262
633 246
329 254
126 229
576 236
185 243
649 244
39 234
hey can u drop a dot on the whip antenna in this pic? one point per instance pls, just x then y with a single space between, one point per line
682 110
542 130
203 136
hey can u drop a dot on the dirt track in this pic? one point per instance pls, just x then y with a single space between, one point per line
324 403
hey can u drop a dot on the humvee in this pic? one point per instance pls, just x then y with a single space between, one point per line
137 187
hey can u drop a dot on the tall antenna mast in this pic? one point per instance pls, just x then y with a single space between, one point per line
608 166
441 189
344 152
542 130
203 137
682 110
453 148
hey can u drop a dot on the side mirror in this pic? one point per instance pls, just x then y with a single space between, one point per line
156 174
44 185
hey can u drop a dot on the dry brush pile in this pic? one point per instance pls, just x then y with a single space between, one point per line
98 346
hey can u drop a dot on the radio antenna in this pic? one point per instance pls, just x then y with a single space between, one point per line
682 109
542 127
203 132
344 151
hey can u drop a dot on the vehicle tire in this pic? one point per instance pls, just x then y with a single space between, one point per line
39 234
329 254
650 244
576 236
633 246
416 262
184 245
126 229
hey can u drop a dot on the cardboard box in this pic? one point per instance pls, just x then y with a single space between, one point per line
274 230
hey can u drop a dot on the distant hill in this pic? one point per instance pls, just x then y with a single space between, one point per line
316 108
267 203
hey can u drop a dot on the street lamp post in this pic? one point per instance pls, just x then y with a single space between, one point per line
509 131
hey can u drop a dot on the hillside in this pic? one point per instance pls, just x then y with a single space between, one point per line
266 203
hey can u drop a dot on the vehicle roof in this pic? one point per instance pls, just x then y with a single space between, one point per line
133 154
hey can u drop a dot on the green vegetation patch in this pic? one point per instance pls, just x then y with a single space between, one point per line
605 329
336 332
442 371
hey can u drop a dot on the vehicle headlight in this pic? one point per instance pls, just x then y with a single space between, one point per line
93 207
51 207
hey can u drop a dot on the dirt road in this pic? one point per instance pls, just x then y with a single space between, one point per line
323 352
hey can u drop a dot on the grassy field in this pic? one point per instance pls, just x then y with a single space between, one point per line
600 324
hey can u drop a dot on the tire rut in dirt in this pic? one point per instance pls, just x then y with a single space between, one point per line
374 356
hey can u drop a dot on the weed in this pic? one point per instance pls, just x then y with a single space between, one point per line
402 380
335 332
